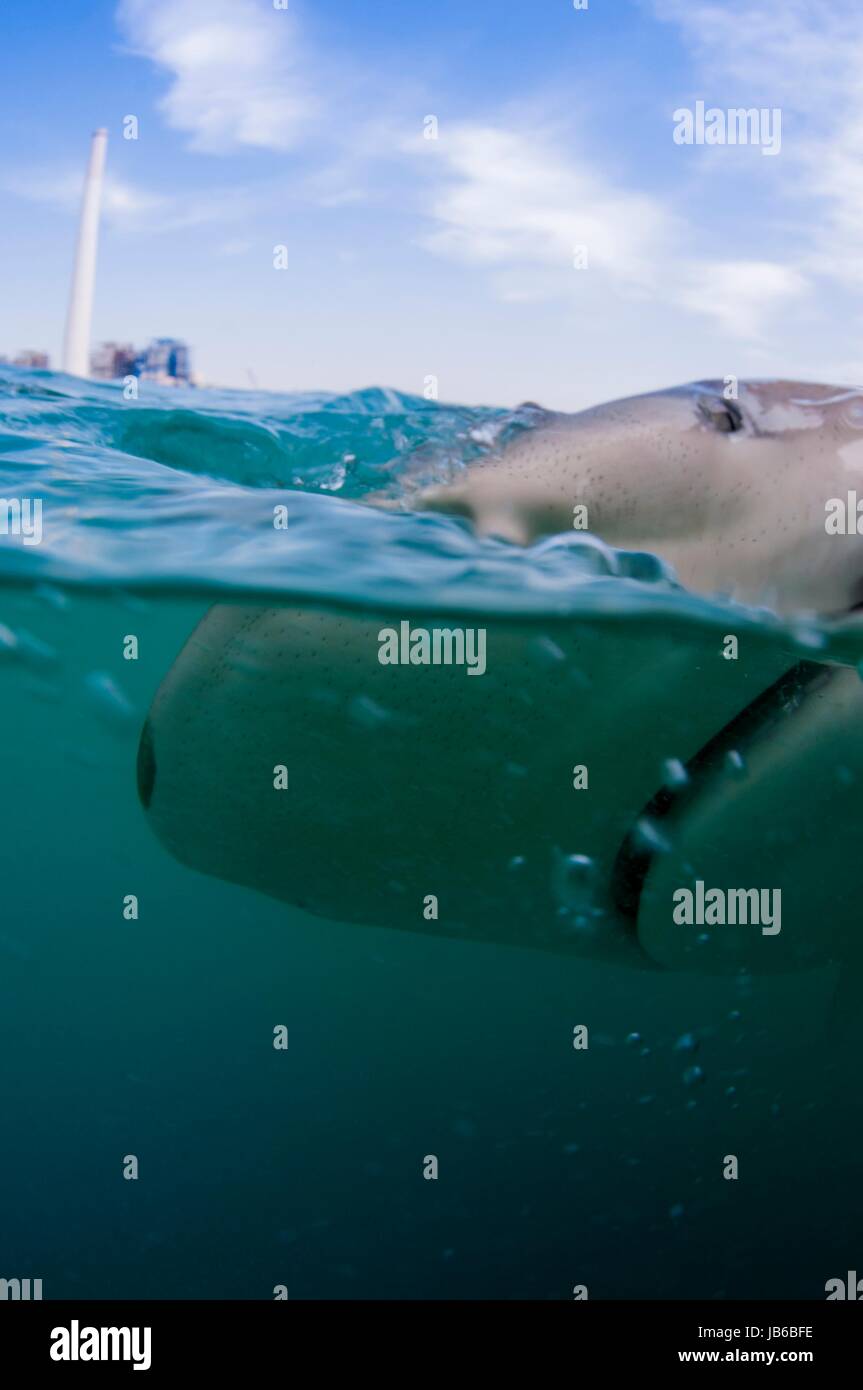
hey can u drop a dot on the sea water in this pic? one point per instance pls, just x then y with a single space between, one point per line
149 1036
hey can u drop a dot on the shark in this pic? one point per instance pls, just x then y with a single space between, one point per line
598 766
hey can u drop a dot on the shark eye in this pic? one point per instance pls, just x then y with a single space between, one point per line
724 416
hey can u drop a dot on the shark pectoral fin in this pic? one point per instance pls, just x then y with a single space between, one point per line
451 499
492 516
503 524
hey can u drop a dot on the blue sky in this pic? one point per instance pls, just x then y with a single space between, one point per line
452 258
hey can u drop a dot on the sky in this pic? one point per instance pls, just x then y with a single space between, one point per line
553 243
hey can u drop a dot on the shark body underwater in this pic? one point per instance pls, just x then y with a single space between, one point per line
410 784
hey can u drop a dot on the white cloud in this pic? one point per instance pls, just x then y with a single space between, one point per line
507 197
126 206
795 53
740 295
509 203
807 58
125 203
63 188
235 68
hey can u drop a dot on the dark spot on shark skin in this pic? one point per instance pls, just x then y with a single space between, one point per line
146 766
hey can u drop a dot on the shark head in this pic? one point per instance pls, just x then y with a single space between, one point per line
730 484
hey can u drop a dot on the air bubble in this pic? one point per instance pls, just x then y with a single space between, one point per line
574 881
108 698
674 774
55 598
805 635
545 652
367 712
33 651
649 837
335 480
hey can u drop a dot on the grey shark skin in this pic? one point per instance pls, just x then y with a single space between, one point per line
411 783
731 493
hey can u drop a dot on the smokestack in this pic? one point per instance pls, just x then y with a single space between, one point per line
76 344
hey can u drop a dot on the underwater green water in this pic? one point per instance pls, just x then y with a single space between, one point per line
154 1037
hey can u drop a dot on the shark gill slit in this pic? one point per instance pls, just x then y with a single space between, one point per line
780 701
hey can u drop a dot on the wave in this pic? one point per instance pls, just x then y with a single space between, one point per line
179 489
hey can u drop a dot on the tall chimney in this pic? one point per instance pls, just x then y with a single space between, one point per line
76 344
